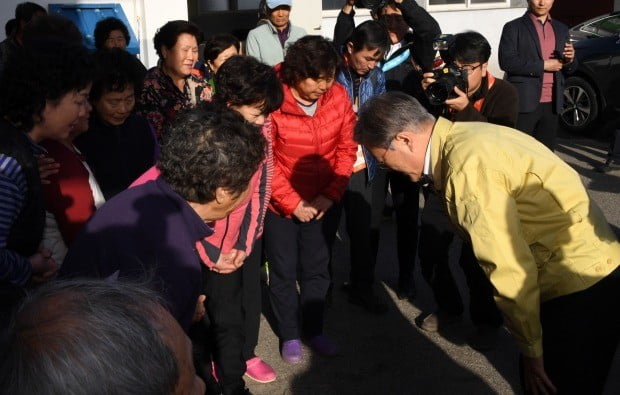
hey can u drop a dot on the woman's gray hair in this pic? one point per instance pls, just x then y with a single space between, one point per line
383 117
87 337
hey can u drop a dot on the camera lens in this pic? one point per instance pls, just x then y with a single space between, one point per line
438 92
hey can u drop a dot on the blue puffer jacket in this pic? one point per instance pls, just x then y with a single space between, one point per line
372 84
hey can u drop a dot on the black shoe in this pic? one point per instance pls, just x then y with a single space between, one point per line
365 299
409 292
434 321
212 386
607 167
239 390
484 338
244 391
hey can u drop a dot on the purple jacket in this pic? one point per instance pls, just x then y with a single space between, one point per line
147 233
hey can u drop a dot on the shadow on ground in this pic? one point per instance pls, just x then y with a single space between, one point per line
388 354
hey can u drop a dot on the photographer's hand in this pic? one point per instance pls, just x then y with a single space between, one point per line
348 6
458 103
427 79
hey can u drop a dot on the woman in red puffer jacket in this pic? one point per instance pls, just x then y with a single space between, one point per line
314 154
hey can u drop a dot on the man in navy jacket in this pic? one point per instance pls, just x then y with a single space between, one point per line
535 53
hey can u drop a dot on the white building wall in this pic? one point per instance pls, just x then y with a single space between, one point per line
488 22
146 16
138 12
308 15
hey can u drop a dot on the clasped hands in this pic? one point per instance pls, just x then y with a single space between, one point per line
316 209
229 262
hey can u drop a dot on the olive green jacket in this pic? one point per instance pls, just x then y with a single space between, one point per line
533 227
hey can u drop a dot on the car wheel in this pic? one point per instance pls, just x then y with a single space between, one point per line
580 105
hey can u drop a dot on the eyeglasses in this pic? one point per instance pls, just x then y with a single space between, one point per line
468 68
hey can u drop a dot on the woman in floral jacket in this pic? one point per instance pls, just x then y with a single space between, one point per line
171 87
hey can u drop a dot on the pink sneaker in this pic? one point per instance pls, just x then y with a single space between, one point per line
259 371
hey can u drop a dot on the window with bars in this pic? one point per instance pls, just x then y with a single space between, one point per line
332 4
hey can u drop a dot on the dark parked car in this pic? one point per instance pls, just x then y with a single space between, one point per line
594 87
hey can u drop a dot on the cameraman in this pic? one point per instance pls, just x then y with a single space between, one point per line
411 31
486 99
399 16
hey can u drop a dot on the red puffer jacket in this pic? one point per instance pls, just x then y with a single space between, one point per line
313 155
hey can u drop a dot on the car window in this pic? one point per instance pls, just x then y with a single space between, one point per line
604 27
609 26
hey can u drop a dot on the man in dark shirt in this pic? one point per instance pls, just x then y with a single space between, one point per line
24 14
486 99
411 30
151 232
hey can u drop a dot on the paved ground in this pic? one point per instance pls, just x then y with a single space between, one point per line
390 355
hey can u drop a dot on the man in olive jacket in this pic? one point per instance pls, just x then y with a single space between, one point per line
546 247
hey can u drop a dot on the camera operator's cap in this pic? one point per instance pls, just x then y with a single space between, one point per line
271 4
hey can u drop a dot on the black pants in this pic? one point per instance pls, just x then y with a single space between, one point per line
10 298
293 247
614 148
542 124
363 204
220 335
252 298
406 199
436 236
580 336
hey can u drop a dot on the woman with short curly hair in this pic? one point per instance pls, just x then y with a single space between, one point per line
234 250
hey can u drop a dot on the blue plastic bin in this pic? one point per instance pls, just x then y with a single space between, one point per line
86 16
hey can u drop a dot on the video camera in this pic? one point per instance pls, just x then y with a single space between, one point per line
448 76
373 5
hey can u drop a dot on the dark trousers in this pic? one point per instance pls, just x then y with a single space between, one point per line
614 148
406 199
252 298
293 247
363 204
542 124
580 336
436 236
219 336
10 298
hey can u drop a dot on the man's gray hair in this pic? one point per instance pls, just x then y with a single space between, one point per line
87 337
383 117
